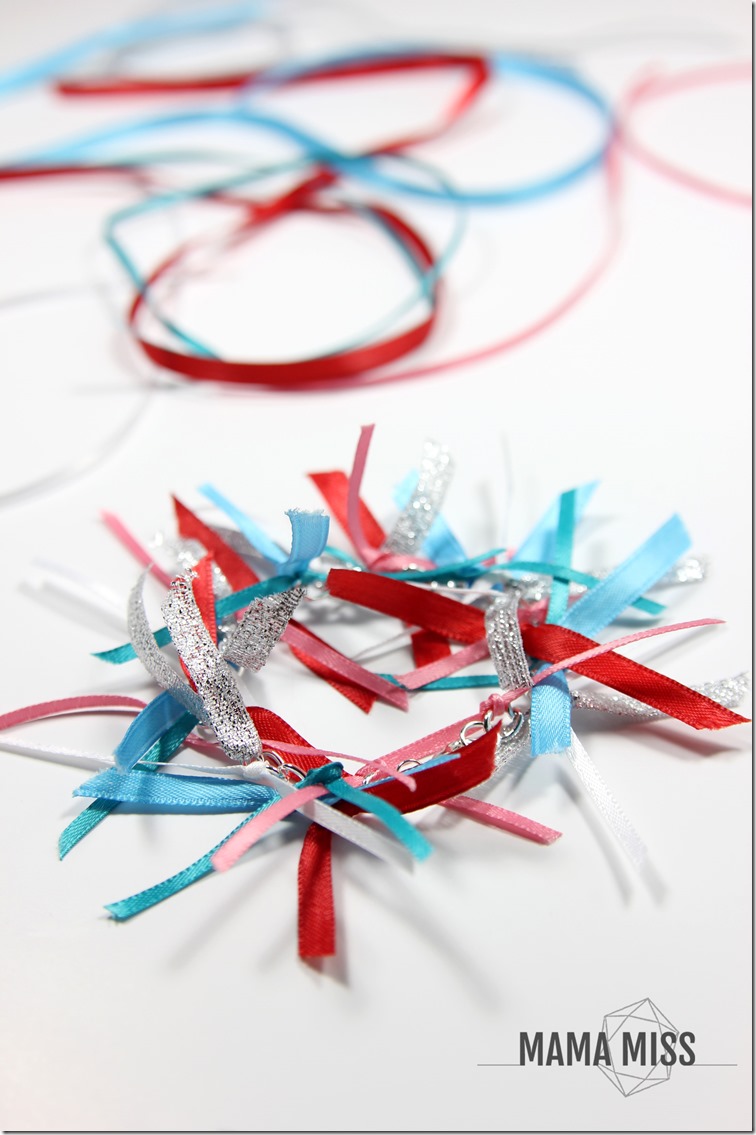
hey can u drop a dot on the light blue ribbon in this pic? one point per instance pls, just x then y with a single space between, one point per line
148 790
371 168
251 531
594 611
148 726
309 534
130 34
551 705
645 567
87 821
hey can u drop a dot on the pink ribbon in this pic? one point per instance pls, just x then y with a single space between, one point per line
502 818
130 542
348 669
68 705
233 849
414 679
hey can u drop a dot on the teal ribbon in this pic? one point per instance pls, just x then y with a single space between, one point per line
467 570
425 278
143 900
453 682
539 543
331 775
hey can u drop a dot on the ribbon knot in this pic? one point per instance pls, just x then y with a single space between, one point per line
497 704
327 774
332 776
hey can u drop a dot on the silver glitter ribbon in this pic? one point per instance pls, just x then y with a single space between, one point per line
182 555
223 704
416 518
239 543
264 621
532 588
505 643
151 657
728 692
529 588
690 569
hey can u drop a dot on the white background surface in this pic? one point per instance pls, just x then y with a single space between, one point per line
198 1015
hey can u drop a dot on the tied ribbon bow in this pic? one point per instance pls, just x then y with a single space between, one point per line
332 777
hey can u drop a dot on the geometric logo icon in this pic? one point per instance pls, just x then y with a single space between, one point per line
634 1039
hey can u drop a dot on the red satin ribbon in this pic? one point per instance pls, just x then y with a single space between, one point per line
204 595
473 765
476 66
428 647
238 573
317 371
553 643
413 605
316 919
323 370
19 173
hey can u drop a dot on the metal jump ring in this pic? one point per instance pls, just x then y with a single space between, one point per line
293 771
280 767
508 732
464 731
273 760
